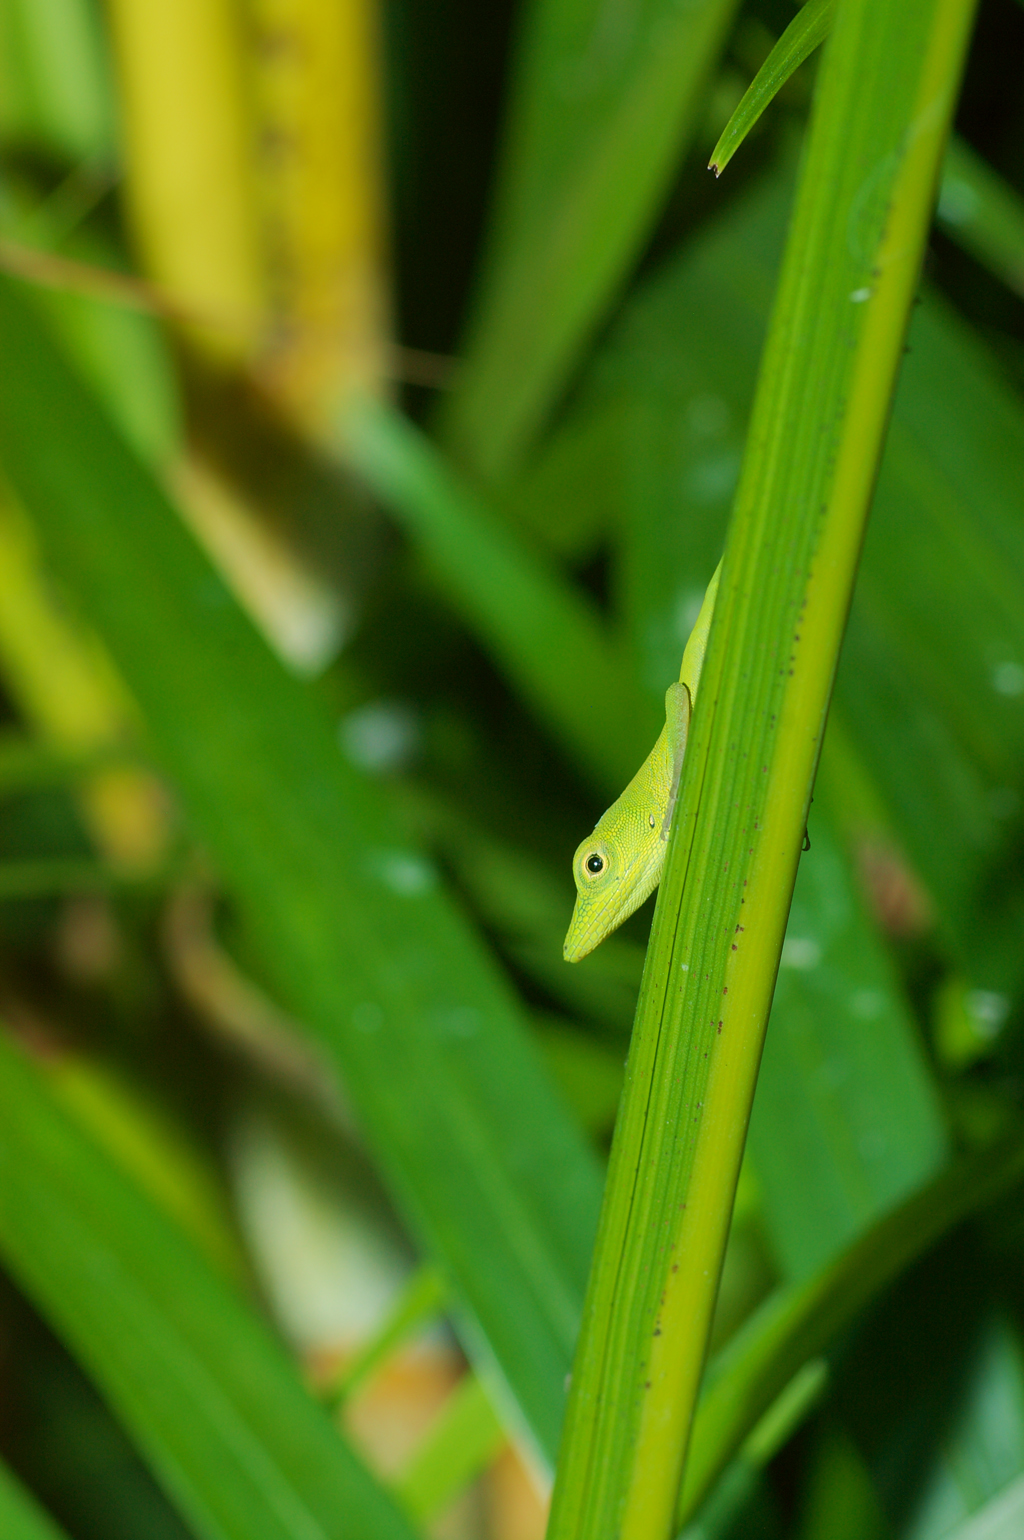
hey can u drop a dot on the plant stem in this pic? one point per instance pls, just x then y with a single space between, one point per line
886 93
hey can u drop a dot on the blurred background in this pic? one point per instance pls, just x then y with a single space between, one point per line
433 327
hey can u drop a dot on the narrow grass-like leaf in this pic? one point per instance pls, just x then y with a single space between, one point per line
982 1452
155 1151
982 213
568 496
794 1325
21 1517
841 1494
886 93
463 1441
540 629
836 1142
601 107
350 918
211 1400
809 28
957 458
422 1299
716 1519
944 734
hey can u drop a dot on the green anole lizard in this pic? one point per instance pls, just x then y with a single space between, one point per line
620 864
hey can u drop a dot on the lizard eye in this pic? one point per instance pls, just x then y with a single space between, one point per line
595 864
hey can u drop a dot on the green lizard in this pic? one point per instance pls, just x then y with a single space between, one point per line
619 865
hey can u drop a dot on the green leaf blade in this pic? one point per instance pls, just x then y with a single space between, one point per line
797 1322
886 92
982 213
597 127
214 1405
538 627
351 919
808 29
836 1139
21 1517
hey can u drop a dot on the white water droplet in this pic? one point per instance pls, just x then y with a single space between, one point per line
800 952
1008 679
403 871
988 1010
383 735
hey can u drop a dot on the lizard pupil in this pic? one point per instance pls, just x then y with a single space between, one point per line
595 864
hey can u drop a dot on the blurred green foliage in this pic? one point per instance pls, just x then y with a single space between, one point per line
381 851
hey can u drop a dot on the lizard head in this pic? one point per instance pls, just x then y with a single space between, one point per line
615 869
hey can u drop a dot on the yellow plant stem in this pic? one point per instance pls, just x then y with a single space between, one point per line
253 143
190 186
886 94
255 182
317 90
